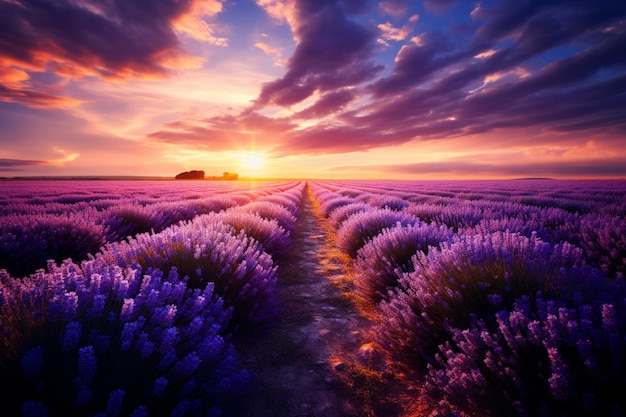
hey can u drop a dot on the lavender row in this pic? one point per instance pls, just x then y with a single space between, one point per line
235 249
490 319
146 325
607 197
28 239
51 196
502 324
599 230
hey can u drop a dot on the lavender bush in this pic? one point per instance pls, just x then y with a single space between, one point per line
453 216
385 201
329 205
361 227
470 280
603 238
383 260
542 358
102 340
177 211
241 272
288 201
342 213
511 224
130 219
328 200
270 211
272 237
27 242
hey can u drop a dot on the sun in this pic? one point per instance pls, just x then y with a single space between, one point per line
252 162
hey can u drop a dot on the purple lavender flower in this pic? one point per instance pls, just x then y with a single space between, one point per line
381 262
208 251
361 227
27 242
111 361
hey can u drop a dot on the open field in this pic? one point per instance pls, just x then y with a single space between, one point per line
313 298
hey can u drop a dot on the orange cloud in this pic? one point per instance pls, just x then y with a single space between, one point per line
194 25
282 10
112 41
65 158
270 50
36 99
391 33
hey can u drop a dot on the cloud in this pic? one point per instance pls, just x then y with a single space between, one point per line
7 164
194 24
395 8
222 133
418 62
332 52
65 158
14 164
36 99
274 51
555 73
115 40
439 6
438 89
615 167
327 104
281 10
391 33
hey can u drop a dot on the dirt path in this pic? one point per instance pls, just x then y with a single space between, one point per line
300 362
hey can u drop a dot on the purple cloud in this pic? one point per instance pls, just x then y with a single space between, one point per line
583 90
15 164
538 66
418 62
327 104
439 6
114 40
395 8
33 98
333 52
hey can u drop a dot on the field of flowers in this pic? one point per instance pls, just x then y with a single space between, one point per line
491 297
125 298
494 298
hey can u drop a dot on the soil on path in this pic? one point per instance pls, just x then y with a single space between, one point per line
300 361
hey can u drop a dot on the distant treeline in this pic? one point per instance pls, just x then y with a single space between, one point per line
199 175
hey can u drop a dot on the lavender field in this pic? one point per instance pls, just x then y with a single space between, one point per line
474 298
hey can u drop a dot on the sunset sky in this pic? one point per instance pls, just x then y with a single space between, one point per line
314 88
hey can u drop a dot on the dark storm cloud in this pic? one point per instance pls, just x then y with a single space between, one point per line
333 52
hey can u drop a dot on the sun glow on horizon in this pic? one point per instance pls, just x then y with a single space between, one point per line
252 163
